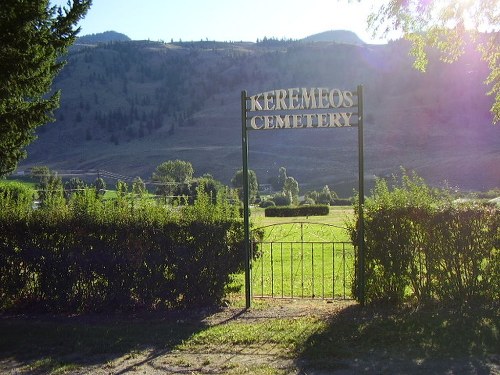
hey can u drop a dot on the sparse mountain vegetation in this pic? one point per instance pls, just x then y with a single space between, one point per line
131 105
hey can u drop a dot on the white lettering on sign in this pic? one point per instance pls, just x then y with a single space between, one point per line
301 98
310 120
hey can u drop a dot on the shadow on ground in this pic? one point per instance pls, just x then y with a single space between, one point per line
46 343
376 340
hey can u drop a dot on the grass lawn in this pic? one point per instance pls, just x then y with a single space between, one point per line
303 256
287 337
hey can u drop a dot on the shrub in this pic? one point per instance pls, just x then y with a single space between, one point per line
421 247
318 210
267 203
282 199
15 197
119 255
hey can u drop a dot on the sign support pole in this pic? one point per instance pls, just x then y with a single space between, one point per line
246 210
262 103
361 201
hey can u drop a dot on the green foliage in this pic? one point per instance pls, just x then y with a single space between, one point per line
15 198
33 37
74 186
325 196
421 247
253 184
277 182
139 187
93 254
266 203
283 211
176 170
291 188
100 186
282 199
308 201
448 26
171 175
50 187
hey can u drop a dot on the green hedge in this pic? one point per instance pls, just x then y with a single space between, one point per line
93 255
287 211
422 248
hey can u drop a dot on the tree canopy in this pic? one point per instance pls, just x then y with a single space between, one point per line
253 184
33 37
448 26
291 188
172 175
179 171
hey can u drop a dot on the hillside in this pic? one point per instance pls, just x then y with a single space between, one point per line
105 37
337 36
128 106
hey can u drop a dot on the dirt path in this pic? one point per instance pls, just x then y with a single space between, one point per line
248 358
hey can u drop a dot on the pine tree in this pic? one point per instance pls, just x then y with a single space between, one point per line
33 37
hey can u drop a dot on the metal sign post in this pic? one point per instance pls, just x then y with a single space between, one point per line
246 211
302 108
361 201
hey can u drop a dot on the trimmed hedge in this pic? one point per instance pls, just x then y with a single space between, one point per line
120 255
287 211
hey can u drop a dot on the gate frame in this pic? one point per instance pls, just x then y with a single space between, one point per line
301 223
361 197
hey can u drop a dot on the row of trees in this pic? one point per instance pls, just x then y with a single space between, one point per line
286 190
175 182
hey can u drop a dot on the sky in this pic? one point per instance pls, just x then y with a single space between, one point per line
226 20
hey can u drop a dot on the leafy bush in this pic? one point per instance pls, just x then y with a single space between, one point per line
281 199
421 247
118 255
267 203
307 202
15 197
318 210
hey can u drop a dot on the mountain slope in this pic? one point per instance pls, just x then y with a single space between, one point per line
105 37
128 106
337 36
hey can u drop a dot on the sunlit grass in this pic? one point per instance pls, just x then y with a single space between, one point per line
311 270
308 257
285 334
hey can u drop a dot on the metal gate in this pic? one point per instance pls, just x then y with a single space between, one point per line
302 260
